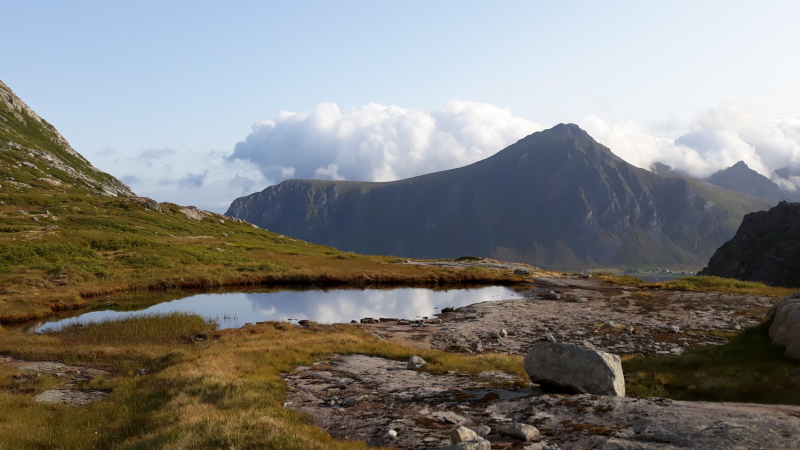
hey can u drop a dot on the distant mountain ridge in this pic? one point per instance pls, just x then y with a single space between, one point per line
556 199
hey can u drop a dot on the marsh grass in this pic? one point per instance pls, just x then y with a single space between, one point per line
144 329
623 280
718 284
749 368
218 393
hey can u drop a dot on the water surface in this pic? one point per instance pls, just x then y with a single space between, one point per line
233 310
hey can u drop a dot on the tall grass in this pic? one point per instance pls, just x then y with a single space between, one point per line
749 368
145 329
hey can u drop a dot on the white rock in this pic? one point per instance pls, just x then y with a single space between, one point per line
586 370
503 333
415 362
785 328
390 435
674 329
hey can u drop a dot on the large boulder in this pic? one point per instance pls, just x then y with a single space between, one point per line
583 369
785 328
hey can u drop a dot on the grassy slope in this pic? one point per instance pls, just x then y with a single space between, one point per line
220 393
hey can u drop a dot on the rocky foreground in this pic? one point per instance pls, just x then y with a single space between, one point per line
388 403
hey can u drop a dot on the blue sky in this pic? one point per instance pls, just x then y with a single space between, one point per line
124 80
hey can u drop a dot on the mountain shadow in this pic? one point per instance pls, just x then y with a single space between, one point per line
555 199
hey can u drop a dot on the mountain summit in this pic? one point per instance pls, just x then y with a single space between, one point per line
556 199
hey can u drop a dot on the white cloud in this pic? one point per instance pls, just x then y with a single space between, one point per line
714 139
377 142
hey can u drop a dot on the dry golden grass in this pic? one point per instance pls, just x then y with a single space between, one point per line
224 392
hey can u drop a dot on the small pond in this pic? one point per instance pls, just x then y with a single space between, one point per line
233 310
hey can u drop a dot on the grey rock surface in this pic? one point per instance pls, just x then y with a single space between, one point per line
461 433
580 368
411 403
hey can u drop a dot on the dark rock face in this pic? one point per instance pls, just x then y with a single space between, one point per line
766 248
555 199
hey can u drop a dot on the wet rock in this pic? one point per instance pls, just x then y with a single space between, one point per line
577 367
415 362
521 431
461 433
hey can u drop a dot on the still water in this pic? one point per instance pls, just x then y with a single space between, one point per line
233 310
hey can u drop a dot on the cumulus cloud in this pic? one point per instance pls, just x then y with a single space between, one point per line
714 139
377 142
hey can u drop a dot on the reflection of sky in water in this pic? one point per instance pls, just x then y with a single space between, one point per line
234 310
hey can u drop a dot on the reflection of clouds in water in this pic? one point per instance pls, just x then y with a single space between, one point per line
344 305
235 309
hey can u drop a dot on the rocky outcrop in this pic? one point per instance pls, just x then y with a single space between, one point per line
766 248
40 149
586 370
785 328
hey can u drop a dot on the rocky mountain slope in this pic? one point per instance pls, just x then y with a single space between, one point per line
30 143
765 248
741 178
556 199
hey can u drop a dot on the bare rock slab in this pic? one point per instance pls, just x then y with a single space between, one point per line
72 397
586 370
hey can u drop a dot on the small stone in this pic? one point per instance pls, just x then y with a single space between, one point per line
503 333
403 322
735 326
449 309
481 444
674 329
521 272
415 362
224 234
482 430
550 338
685 344
390 435
221 221
435 321
521 431
477 346
350 401
461 433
